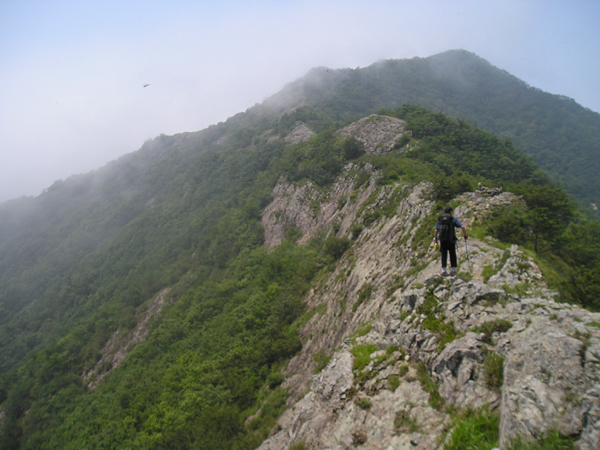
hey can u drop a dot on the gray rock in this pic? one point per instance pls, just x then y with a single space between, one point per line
538 373
590 408
458 370
552 354
336 379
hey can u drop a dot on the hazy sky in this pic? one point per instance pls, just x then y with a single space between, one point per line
72 72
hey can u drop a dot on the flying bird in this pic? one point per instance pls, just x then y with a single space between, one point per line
146 85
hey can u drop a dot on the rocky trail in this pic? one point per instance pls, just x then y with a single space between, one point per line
391 348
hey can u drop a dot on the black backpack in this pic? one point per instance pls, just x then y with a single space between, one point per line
446 228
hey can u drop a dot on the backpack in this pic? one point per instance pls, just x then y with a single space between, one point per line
446 228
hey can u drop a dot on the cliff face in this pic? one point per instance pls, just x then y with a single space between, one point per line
391 344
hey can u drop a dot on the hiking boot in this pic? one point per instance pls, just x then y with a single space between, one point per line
444 274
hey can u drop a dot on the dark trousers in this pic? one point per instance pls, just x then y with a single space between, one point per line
446 247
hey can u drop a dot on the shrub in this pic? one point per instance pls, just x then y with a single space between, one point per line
364 403
335 247
297 445
322 361
488 328
509 224
353 148
363 330
403 370
404 139
363 295
274 379
394 382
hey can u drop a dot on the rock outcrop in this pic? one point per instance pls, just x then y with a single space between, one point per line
379 134
492 337
300 133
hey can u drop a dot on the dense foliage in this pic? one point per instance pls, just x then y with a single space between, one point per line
560 135
87 257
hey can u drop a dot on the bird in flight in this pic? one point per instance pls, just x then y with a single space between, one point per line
146 85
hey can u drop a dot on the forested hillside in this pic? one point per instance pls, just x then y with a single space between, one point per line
559 134
141 308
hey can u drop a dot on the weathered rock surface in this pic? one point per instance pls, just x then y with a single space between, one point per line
378 133
300 133
458 369
551 350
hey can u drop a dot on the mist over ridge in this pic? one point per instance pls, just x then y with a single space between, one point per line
183 294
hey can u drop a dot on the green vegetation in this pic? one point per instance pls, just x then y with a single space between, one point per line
362 355
363 330
436 401
479 430
493 370
405 423
322 361
364 403
560 135
551 440
474 430
297 445
394 382
183 212
462 153
363 296
86 258
435 321
403 370
488 328
320 159
335 247
565 241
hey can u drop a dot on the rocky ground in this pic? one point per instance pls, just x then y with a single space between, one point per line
494 336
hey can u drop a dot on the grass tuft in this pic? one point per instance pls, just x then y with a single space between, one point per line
489 328
405 423
493 370
436 401
362 355
474 430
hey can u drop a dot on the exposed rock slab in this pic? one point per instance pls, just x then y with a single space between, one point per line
542 373
300 133
551 352
377 133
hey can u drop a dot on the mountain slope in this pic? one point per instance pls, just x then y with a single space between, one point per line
560 135
389 349
151 314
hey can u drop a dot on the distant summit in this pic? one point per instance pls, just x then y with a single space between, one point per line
562 136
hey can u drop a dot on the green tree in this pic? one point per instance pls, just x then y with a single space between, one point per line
549 213
580 249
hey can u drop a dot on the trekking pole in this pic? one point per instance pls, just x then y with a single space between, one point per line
467 250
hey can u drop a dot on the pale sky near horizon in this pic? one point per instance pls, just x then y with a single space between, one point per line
72 72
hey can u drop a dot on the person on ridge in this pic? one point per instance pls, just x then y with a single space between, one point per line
445 231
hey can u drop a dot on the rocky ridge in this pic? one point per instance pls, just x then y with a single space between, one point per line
496 321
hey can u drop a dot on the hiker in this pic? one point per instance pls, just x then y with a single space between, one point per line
445 230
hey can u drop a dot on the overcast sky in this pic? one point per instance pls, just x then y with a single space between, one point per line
72 72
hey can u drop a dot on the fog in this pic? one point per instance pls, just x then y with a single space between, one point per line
72 95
